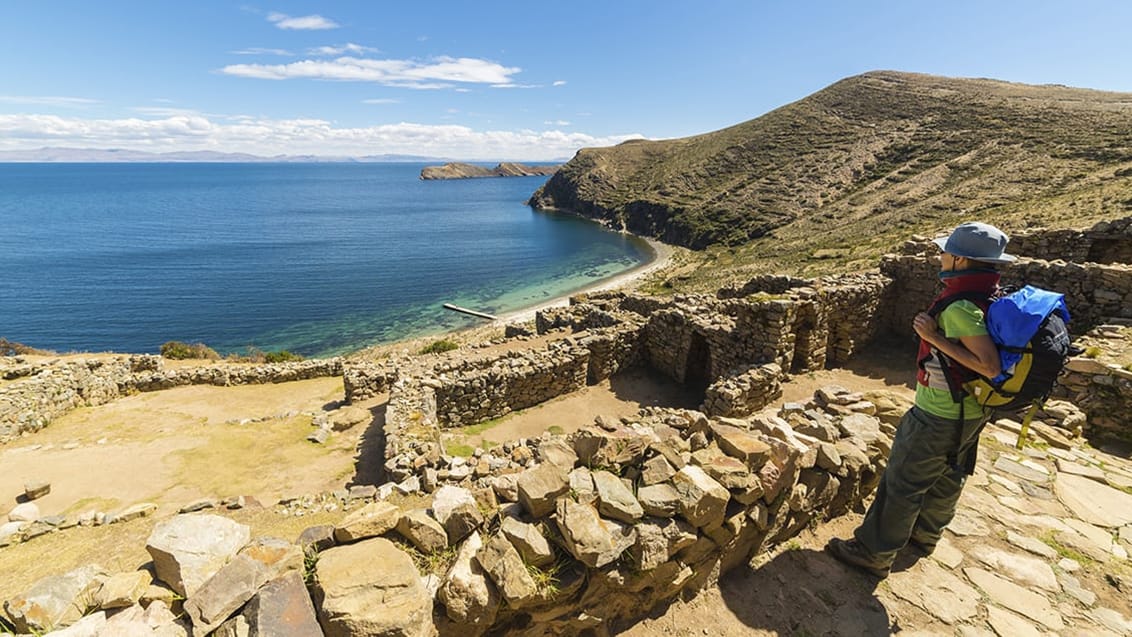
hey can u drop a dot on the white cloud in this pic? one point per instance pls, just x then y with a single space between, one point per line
297 136
437 73
381 100
559 83
164 111
47 100
301 23
349 47
557 122
255 50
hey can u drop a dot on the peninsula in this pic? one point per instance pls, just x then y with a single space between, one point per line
457 170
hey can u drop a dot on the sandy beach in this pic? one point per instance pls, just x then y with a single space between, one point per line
661 259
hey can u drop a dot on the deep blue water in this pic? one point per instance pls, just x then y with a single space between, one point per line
312 258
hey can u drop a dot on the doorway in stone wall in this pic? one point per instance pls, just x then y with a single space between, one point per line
697 368
803 330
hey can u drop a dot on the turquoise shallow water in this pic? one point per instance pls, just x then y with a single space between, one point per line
314 258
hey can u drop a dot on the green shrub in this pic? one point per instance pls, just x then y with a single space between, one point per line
439 347
176 350
282 356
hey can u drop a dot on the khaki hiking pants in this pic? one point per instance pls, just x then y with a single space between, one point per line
919 489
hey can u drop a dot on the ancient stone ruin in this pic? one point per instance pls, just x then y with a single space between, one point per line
570 534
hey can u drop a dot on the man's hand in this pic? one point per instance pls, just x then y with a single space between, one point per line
926 328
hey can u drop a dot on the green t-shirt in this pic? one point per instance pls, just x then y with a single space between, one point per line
961 318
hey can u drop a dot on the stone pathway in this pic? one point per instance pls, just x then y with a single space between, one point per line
1040 546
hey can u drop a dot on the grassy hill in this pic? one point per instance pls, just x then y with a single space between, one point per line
839 177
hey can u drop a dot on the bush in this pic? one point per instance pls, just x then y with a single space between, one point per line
439 347
282 356
176 350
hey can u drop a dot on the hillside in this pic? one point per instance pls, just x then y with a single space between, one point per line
850 171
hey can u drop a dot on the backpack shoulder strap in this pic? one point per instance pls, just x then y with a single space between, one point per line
980 299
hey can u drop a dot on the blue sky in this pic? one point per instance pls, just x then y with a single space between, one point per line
496 80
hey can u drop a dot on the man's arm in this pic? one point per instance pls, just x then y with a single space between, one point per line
976 353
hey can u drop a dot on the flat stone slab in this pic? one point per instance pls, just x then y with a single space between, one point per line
1085 471
1093 502
1021 569
1005 622
937 591
1020 470
1016 598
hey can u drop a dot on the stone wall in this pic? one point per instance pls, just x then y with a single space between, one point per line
472 393
745 393
47 391
1105 242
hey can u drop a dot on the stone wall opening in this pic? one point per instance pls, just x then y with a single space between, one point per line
697 369
803 331
1110 251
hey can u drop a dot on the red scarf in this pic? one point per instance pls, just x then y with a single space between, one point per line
982 282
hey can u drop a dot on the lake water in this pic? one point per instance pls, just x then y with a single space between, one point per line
317 259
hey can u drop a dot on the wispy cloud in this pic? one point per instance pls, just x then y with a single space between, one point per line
437 73
255 50
48 100
165 111
381 100
301 23
349 47
559 83
295 136
557 122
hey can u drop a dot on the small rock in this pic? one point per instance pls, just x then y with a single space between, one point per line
37 489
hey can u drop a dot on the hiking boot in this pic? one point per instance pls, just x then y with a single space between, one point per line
922 546
851 552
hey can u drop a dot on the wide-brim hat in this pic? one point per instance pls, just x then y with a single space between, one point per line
978 241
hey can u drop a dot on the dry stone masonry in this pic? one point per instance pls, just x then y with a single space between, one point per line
37 395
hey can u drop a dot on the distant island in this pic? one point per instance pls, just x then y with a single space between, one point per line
457 170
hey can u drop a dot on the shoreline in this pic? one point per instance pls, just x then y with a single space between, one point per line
662 257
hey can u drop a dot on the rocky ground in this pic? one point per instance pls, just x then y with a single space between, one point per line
1039 547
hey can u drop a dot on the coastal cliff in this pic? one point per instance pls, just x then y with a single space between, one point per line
458 170
870 158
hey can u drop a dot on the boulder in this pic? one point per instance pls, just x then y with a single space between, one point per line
371 520
557 452
423 531
656 470
539 487
501 561
456 509
188 549
741 444
590 539
24 512
282 608
529 541
703 501
615 500
234 584
660 500
122 590
37 489
54 601
371 588
468 595
156 619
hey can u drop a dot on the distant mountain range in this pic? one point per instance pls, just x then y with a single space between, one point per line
120 155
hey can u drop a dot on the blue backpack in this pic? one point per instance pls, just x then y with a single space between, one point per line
1028 327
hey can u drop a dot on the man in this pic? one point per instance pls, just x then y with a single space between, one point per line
936 441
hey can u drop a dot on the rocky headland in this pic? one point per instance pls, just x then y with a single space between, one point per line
457 170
